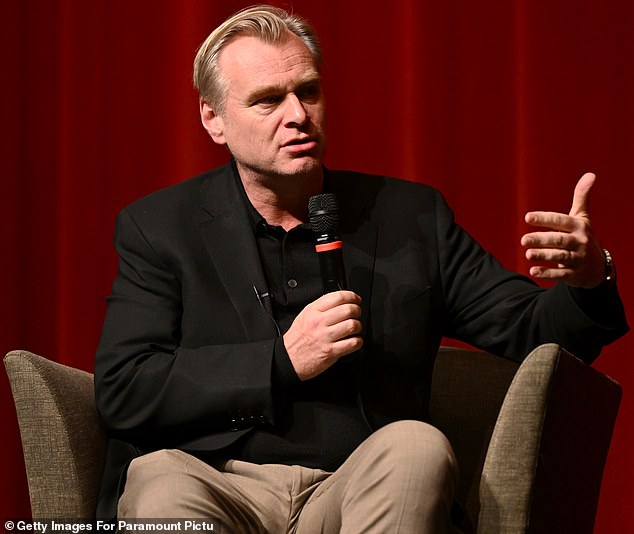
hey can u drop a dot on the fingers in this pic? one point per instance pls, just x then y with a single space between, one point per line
552 273
568 250
567 243
539 243
552 255
345 324
324 331
347 346
579 212
581 197
336 298
553 221
339 313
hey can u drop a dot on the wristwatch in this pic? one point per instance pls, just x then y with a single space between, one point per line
610 269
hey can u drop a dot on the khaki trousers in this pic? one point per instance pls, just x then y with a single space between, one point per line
400 479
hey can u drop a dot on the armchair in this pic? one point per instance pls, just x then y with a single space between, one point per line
531 440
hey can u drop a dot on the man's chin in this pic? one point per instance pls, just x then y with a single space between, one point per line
295 168
306 167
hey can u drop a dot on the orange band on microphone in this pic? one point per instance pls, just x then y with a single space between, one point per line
325 247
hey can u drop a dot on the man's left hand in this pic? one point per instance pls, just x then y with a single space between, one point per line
567 243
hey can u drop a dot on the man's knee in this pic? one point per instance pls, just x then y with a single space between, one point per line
414 448
401 434
158 483
404 476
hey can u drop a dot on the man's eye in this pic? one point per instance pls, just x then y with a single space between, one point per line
309 93
269 100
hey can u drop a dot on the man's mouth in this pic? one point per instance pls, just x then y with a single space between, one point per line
300 145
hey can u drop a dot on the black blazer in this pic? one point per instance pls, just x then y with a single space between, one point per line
186 354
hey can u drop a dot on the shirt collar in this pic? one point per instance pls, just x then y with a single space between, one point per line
258 223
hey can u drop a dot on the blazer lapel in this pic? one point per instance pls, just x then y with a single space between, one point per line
228 236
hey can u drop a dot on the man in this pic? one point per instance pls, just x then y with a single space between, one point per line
232 388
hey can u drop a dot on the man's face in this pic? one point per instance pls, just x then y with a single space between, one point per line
273 120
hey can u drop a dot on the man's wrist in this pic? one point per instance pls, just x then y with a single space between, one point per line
610 269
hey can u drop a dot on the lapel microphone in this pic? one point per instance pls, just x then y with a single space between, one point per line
323 215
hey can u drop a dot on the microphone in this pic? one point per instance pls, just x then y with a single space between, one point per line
323 215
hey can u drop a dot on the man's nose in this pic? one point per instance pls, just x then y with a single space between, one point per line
294 111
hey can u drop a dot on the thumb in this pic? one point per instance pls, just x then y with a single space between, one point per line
581 197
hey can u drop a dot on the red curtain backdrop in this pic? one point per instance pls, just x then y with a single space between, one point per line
500 104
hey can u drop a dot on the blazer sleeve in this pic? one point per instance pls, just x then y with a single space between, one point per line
148 387
506 313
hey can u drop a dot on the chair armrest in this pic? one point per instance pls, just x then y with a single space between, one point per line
545 461
62 439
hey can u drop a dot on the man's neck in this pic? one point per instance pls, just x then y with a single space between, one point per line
281 200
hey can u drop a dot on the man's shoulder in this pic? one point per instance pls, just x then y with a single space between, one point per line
376 187
360 179
182 195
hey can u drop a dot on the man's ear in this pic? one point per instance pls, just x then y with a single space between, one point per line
212 122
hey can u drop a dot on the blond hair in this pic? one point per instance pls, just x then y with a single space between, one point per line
268 23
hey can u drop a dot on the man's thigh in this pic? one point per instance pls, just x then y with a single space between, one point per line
401 479
242 497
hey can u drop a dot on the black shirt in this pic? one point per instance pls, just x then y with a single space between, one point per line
320 420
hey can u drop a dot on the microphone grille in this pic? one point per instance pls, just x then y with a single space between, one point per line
323 213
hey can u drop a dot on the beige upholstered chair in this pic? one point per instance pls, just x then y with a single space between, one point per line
62 439
531 454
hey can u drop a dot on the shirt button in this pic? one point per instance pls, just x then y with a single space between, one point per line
292 283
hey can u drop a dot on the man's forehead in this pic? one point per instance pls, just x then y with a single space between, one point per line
251 52
262 88
254 68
